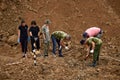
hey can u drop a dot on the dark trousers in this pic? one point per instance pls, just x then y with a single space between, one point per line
36 42
24 45
54 41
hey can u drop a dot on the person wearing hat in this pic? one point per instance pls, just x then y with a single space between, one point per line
93 32
34 35
59 37
95 44
46 37
23 37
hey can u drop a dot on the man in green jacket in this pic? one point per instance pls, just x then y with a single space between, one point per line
59 37
96 44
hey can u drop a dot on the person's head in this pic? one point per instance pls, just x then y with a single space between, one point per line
33 23
68 37
85 35
47 22
23 23
82 42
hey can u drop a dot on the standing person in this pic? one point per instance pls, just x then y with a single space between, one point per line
59 37
46 37
23 36
95 44
34 36
93 32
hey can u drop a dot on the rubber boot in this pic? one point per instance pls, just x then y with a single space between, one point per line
93 64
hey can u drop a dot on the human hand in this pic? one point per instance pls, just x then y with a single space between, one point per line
18 40
45 41
66 48
35 38
60 47
28 38
92 51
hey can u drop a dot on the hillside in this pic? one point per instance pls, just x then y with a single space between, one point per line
71 16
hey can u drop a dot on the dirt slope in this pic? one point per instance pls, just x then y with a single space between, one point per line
72 16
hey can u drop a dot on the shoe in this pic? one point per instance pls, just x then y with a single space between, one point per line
93 64
54 55
61 56
26 55
45 56
23 56
38 52
32 53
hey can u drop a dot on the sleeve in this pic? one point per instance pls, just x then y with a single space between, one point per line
27 26
43 29
38 29
89 42
30 29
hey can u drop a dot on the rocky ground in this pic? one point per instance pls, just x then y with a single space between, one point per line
72 16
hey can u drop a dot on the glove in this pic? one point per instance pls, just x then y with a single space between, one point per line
92 51
34 50
28 39
45 41
66 48
60 47
36 38
18 40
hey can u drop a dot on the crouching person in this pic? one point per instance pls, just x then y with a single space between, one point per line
23 37
93 32
34 35
95 44
59 37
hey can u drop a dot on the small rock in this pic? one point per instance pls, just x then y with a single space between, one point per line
0 13
3 6
12 40
13 7
92 10
83 22
20 0
108 23
80 15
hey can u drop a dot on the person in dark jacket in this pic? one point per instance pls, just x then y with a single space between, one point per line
34 35
23 36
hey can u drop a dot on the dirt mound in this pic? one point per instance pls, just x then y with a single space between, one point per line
72 16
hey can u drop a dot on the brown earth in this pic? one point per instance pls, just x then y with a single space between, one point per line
72 16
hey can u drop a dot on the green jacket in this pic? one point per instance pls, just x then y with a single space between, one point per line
97 41
59 35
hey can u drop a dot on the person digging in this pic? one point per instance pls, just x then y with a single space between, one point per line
95 44
59 37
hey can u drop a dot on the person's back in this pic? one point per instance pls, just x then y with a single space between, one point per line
34 35
97 41
34 31
92 31
59 34
23 31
